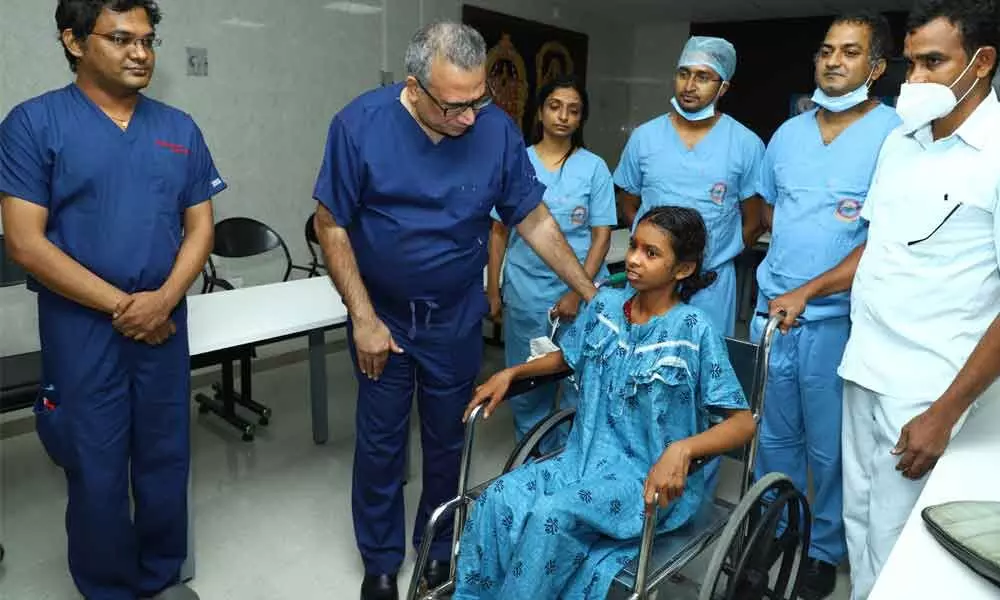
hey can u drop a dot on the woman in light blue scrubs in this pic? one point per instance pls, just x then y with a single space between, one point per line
580 195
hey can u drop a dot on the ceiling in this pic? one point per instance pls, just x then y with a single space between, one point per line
732 10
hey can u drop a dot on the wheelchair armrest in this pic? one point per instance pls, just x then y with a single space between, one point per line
523 386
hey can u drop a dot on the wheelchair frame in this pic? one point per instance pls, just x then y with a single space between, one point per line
741 531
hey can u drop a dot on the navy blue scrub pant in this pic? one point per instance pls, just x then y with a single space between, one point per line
114 412
443 354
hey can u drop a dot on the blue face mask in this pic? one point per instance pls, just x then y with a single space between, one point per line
706 113
841 103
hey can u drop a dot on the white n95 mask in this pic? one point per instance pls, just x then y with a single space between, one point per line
921 103
540 346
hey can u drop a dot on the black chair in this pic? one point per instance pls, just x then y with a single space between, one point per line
315 261
237 237
11 273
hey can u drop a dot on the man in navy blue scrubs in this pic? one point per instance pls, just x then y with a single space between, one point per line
410 175
105 196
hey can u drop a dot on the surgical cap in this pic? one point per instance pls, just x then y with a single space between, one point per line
715 53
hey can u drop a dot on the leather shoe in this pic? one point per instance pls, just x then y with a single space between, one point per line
379 587
819 580
436 573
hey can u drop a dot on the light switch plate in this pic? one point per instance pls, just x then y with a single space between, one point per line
197 62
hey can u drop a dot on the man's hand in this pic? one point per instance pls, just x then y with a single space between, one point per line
793 303
496 307
373 342
568 307
161 335
668 476
921 443
143 314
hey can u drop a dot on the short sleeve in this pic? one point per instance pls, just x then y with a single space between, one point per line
750 181
339 183
718 386
522 191
571 339
628 174
203 179
603 211
25 167
768 187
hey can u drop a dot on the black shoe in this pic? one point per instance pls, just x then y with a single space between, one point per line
379 587
818 580
437 573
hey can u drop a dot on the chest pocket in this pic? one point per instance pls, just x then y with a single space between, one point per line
168 180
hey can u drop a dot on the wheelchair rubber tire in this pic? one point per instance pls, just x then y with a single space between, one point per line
734 527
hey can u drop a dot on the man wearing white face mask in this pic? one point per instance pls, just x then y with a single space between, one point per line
925 337
698 158
816 174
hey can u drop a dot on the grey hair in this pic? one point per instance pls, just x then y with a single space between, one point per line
458 44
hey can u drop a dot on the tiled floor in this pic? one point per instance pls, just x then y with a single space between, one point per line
273 518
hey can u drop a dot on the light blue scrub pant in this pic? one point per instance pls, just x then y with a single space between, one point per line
719 300
801 426
519 328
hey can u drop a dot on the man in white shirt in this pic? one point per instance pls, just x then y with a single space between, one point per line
925 338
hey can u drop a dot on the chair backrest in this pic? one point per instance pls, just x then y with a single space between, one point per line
311 230
243 237
11 273
743 357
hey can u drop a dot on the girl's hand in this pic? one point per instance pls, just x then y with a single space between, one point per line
668 476
491 393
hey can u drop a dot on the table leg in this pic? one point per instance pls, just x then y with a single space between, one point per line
188 568
317 386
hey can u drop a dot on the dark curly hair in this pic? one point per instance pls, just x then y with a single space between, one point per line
688 238
81 15
977 20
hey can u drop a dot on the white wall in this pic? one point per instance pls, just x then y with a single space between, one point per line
278 71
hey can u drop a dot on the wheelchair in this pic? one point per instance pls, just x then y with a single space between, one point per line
754 557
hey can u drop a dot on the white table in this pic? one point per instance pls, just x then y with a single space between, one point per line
919 567
266 313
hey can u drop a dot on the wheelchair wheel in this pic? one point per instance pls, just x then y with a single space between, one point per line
749 548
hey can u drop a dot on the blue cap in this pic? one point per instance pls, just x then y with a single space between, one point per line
712 52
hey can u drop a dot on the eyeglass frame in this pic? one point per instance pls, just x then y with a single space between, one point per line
124 41
701 78
454 110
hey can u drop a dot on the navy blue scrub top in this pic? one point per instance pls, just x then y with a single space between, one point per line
116 199
418 213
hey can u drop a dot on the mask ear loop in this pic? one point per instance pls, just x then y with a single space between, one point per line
964 71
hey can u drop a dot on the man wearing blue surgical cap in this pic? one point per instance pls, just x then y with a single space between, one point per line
817 171
698 158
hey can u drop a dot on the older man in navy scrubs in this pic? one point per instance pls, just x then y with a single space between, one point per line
410 175
105 196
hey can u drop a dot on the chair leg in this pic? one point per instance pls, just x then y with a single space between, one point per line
223 405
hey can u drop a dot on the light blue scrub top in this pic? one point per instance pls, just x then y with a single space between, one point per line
580 196
714 177
817 191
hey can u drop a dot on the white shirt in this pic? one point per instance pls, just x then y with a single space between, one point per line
928 285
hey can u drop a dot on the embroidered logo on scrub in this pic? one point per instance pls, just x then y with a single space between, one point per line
718 193
579 215
175 148
848 210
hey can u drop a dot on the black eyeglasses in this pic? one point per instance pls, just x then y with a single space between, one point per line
122 41
948 216
453 110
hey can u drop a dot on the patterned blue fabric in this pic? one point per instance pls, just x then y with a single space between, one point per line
564 528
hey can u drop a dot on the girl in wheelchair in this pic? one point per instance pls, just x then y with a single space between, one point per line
649 368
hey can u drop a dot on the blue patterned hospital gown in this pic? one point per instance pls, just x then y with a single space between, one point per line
564 528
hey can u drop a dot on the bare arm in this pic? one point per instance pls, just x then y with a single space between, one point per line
199 236
499 236
837 279
24 229
767 217
542 233
495 389
668 476
600 243
628 207
343 266
753 218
